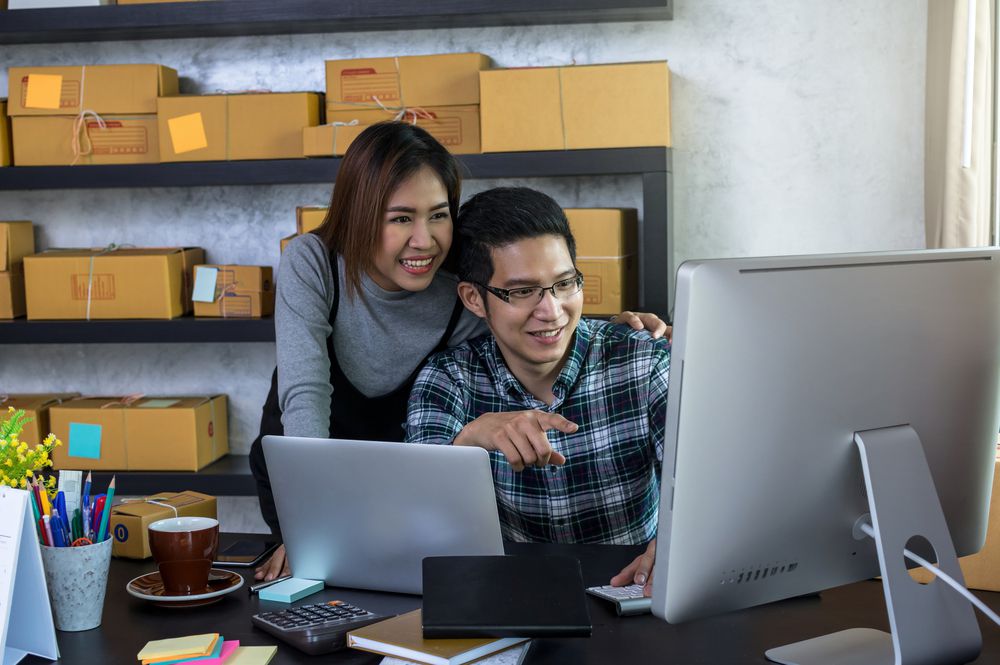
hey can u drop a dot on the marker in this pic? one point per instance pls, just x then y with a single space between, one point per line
106 513
86 491
48 530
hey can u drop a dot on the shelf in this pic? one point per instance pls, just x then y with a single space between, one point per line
229 18
553 163
230 476
185 329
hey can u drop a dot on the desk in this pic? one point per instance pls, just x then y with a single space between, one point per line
737 637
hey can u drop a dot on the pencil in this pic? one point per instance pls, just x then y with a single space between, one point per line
106 513
43 497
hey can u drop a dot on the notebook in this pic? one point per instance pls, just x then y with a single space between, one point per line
402 637
503 596
512 656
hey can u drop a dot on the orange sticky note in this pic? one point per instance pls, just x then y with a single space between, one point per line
187 133
44 91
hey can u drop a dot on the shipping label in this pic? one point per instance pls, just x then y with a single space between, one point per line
101 288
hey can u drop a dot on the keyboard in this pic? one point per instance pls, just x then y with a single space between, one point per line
318 628
628 600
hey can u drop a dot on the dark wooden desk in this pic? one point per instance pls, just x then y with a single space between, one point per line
738 637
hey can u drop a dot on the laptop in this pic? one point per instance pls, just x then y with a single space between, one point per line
364 514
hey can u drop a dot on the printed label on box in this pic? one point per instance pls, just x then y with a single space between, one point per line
592 290
85 440
237 306
448 131
116 139
101 287
364 84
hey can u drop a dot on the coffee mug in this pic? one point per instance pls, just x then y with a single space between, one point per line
184 549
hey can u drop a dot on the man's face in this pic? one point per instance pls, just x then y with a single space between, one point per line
536 334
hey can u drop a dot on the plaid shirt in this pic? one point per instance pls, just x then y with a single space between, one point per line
613 385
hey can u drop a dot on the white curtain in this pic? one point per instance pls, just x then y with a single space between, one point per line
958 173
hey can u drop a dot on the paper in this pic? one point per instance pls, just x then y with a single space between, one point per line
157 403
252 656
219 653
513 656
43 91
205 279
85 440
187 133
173 648
291 590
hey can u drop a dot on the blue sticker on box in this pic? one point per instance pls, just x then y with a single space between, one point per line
85 440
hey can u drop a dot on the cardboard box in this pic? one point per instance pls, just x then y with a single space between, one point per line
129 521
565 108
36 406
286 240
330 139
239 291
455 127
150 283
606 247
309 218
17 240
407 81
12 304
107 89
5 150
148 434
123 139
981 570
235 127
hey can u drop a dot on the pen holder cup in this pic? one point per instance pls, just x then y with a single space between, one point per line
77 578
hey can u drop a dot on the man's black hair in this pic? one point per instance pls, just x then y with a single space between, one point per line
501 216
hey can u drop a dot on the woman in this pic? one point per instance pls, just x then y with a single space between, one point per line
361 302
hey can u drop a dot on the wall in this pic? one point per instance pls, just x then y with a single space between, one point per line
798 128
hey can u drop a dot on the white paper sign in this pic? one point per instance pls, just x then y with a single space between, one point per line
26 625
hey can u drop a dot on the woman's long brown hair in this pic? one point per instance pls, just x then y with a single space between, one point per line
378 161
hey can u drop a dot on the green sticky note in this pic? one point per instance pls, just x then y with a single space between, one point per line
85 440
158 403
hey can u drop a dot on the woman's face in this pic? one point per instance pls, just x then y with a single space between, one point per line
416 234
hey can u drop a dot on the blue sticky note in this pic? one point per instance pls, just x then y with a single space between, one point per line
85 440
291 590
205 279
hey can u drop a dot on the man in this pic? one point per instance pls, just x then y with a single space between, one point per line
572 411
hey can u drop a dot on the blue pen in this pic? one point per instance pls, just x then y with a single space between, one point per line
63 517
56 525
86 491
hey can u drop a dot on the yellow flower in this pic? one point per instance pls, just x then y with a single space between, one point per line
24 482
21 459
10 409
9 462
29 473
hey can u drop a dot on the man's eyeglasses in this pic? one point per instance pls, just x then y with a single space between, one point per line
529 296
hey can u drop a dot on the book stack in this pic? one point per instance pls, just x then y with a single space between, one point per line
206 649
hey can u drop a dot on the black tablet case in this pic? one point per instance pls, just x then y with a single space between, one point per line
504 596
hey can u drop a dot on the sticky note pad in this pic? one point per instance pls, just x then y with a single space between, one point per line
290 590
252 656
205 279
85 440
192 646
218 654
187 133
43 91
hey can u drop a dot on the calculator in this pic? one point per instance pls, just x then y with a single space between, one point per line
318 628
628 600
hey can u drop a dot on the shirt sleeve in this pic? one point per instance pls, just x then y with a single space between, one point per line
302 325
658 383
437 410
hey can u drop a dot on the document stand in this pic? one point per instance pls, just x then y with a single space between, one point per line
930 623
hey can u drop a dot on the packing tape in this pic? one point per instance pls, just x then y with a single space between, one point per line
213 428
562 107
90 273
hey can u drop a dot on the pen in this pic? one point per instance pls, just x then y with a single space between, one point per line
254 588
48 530
86 491
106 513
41 530
53 524
61 506
34 506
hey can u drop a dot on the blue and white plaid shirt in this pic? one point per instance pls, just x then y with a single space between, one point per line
613 385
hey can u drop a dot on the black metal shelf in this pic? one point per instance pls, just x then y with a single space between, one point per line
185 329
230 476
229 18
552 163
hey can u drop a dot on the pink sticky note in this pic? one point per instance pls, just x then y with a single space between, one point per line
228 647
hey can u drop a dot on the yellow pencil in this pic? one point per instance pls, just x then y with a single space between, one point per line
44 495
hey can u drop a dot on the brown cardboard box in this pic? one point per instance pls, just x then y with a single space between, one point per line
309 218
12 303
130 520
123 139
981 570
17 240
5 151
606 245
163 434
330 139
112 89
422 80
455 127
36 406
240 292
591 106
235 127
149 283
286 240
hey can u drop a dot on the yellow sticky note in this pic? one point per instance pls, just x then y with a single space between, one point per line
252 656
192 645
44 91
187 133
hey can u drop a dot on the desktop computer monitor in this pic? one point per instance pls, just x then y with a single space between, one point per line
801 387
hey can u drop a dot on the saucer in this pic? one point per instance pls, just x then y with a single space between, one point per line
150 587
